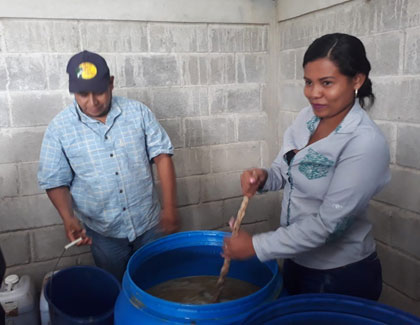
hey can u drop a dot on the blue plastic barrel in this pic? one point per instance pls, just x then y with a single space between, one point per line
193 253
328 309
82 295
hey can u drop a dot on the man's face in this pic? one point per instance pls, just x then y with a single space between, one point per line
96 105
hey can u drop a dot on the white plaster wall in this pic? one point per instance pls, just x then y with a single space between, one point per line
217 11
287 9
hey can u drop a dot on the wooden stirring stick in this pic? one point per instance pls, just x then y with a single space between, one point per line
226 264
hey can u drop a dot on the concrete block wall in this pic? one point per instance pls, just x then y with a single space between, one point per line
390 31
204 82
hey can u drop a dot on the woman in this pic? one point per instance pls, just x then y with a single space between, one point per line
334 159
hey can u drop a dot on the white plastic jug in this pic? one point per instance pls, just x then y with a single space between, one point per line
17 296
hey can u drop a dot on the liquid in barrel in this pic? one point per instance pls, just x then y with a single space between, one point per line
200 290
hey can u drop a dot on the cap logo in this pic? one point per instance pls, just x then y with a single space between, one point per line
86 70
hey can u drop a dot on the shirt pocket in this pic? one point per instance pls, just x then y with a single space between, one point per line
315 165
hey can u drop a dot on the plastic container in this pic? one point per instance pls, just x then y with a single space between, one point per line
82 295
18 299
328 309
185 254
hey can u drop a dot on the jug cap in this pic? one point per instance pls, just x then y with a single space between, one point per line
11 279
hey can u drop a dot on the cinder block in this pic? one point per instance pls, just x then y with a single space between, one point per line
291 97
56 71
235 157
194 69
192 161
15 248
140 94
50 36
405 225
129 71
27 212
408 153
4 109
28 184
380 216
49 242
178 38
26 72
252 127
285 120
188 190
35 108
392 297
235 99
174 130
387 15
390 132
20 145
251 67
220 186
161 70
394 94
3 73
402 191
287 64
8 180
221 69
413 14
85 259
224 38
201 217
178 102
106 36
384 51
400 271
208 131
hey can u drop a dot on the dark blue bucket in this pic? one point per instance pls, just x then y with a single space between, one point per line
192 253
328 309
82 295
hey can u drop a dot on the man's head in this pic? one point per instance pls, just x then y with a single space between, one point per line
91 83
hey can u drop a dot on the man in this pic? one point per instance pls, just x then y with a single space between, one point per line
95 165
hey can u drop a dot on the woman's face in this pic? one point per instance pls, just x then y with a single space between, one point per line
330 93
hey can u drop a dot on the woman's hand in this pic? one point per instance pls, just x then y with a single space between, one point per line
239 246
252 180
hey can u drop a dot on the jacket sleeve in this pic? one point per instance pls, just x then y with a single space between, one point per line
361 171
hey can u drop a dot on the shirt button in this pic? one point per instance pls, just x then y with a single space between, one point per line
116 173
111 155
124 209
106 138
121 191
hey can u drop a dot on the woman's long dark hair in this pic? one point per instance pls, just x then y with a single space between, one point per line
349 54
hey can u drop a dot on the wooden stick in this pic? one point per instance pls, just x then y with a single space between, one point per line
226 264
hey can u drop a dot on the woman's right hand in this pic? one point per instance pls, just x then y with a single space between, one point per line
252 180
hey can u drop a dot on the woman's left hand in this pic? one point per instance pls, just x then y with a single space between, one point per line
238 247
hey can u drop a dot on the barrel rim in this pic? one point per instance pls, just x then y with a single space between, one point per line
153 304
80 320
330 303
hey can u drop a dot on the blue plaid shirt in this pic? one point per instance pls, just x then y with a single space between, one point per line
106 166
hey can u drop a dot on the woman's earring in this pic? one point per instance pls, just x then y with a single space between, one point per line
355 92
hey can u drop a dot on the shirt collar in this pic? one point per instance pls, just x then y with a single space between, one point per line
347 125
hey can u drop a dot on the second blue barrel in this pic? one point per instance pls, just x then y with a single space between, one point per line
185 254
328 309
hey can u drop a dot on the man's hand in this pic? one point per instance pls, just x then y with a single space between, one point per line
74 230
169 221
252 180
239 246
